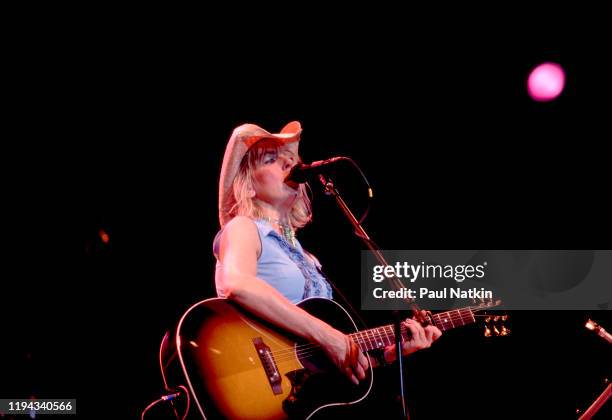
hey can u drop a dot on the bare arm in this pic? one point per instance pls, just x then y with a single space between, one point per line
238 253
236 277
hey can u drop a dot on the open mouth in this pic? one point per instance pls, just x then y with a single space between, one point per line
292 184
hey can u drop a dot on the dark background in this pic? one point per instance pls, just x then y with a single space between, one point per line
120 125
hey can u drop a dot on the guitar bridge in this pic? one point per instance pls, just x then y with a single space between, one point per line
269 365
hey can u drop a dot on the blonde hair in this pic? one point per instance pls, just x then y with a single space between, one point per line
300 213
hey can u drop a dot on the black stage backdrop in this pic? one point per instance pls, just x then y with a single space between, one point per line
126 134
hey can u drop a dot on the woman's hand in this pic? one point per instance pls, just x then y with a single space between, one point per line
345 354
420 338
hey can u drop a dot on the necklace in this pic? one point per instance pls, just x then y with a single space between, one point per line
286 230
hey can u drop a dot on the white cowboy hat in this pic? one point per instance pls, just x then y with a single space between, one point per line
242 139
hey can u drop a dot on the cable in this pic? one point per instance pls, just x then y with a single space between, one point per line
365 179
149 407
169 397
188 400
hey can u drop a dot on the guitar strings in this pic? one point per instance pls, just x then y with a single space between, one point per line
364 339
300 350
375 333
308 349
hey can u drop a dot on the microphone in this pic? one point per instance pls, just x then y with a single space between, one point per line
301 172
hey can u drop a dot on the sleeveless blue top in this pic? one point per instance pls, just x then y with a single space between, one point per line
284 267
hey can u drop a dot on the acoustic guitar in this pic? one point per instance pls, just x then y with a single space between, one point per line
236 365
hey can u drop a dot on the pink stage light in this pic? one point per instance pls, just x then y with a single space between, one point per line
546 82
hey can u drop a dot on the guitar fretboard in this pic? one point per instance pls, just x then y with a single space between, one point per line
380 337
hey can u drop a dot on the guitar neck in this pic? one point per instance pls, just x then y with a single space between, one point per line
380 337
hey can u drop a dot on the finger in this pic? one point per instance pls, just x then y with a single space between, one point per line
438 333
363 361
428 334
354 354
359 372
413 333
411 344
348 358
411 326
432 333
423 316
418 335
351 375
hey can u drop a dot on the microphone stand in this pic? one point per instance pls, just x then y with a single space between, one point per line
330 189
597 404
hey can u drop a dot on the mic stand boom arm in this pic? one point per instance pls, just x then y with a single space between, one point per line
330 189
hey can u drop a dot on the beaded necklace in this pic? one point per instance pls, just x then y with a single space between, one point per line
286 230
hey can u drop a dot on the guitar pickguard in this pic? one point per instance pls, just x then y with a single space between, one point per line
294 405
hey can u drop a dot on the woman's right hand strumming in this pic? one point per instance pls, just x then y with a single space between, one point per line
344 353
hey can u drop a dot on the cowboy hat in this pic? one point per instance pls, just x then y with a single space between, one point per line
241 140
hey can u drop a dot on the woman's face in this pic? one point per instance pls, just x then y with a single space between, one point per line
270 174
